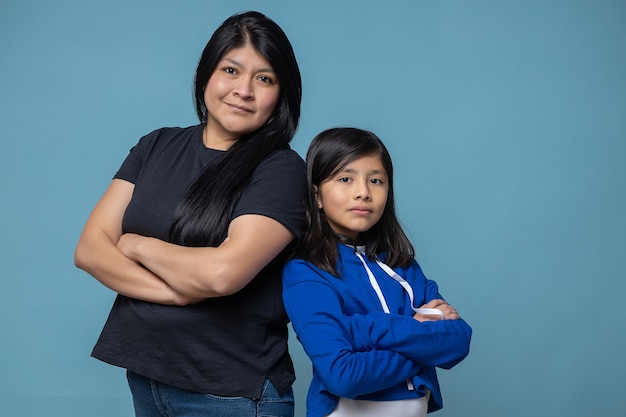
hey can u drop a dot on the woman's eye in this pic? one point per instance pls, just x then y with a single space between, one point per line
377 181
229 70
265 79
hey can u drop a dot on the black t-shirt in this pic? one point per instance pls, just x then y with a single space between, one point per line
225 346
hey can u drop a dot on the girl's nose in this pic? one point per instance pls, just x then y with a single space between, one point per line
362 191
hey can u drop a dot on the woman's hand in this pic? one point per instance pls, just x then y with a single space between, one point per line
204 272
127 243
449 312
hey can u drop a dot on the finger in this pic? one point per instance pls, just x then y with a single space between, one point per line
434 303
427 317
452 316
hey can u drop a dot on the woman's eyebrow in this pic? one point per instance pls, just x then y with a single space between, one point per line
240 65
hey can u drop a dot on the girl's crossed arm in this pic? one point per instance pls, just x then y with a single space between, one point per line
324 331
428 341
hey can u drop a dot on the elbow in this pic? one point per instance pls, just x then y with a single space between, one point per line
346 378
86 256
342 391
342 388
81 258
458 350
454 358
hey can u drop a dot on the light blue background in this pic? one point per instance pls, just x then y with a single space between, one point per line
506 121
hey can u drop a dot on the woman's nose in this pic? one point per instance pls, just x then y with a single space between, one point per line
243 88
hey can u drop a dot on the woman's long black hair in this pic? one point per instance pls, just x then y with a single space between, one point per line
329 152
202 217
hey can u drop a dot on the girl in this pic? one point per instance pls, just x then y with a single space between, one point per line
199 322
373 326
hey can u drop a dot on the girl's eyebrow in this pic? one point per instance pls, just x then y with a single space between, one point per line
378 172
372 172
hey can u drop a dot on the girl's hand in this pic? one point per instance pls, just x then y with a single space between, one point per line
449 312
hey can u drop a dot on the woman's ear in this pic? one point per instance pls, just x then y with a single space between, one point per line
318 199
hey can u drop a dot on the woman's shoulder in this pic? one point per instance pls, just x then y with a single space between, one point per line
284 158
165 135
171 132
283 168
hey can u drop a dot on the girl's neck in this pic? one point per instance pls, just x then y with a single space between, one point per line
346 240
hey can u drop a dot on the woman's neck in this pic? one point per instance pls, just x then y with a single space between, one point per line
213 140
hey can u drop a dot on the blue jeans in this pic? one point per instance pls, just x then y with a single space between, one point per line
155 399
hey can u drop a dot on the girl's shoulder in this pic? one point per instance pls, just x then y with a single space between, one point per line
298 269
297 263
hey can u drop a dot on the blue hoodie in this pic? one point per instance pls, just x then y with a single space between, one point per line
358 350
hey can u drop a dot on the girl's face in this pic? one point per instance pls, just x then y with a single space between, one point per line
353 200
240 96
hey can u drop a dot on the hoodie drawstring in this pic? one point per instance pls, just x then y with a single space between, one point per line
393 274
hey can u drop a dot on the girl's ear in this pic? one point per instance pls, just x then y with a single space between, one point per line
316 193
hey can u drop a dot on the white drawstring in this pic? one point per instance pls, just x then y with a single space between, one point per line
374 283
409 290
393 274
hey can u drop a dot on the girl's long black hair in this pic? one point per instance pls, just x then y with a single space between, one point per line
329 152
202 217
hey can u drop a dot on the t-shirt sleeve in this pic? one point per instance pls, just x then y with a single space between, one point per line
131 167
277 190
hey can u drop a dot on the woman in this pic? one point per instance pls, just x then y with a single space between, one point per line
192 234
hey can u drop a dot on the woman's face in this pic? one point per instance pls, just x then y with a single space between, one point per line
240 96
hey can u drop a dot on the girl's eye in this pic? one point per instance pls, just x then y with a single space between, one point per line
344 179
377 181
